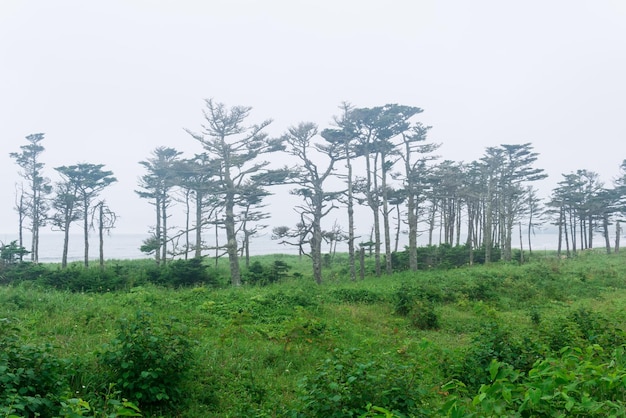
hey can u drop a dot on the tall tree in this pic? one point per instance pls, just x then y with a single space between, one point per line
89 180
197 177
510 168
345 135
237 149
309 177
33 201
105 219
160 178
376 129
67 209
415 155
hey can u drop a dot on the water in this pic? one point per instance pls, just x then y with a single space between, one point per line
121 246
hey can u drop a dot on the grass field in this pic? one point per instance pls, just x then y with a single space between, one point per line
540 339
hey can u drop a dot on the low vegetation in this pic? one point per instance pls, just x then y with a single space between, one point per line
545 338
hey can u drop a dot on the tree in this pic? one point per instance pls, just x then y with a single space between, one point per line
196 177
345 136
160 178
237 149
105 219
509 169
11 253
376 128
33 202
88 181
309 177
415 178
67 208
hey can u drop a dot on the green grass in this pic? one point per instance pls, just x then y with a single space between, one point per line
254 348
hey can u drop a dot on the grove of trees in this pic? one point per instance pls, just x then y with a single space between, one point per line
377 158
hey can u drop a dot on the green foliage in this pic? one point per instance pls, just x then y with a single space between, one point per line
189 272
148 361
443 256
420 311
110 407
31 377
11 253
577 382
493 342
350 295
259 274
346 385
20 272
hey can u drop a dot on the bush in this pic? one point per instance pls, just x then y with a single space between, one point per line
356 295
344 385
19 272
423 316
189 272
493 343
148 361
261 275
31 378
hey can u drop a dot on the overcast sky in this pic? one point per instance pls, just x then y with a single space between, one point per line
109 81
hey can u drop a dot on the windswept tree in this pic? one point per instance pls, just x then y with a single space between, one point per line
161 176
345 136
196 177
250 215
309 177
376 128
509 169
237 148
415 155
32 200
88 181
67 209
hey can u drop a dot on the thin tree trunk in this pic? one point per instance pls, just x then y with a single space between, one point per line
618 233
605 227
198 246
86 230
101 235
521 245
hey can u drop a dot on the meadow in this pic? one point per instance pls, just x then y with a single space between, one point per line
544 338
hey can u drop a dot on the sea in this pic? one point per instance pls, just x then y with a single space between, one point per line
123 246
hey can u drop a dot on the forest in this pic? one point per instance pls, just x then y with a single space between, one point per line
378 158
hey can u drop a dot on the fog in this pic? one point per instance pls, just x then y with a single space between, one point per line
108 82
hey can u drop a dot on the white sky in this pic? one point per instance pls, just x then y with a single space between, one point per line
108 81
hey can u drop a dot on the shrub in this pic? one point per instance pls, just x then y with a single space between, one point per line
258 274
493 343
356 295
31 378
189 272
148 361
344 385
423 316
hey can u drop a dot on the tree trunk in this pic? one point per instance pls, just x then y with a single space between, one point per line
412 220
231 242
86 230
351 238
605 227
618 233
101 235
198 246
